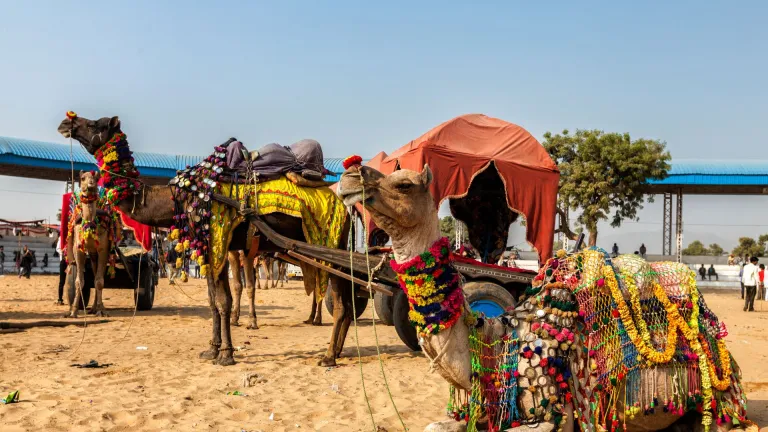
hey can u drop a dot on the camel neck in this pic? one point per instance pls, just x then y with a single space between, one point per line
410 243
433 287
118 170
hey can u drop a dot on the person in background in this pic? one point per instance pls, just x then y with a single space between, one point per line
711 272
702 272
643 250
2 260
615 250
25 265
750 280
761 281
741 274
170 259
62 274
45 260
731 260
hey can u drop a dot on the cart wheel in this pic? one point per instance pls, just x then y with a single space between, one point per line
361 303
145 299
488 298
403 326
71 286
383 305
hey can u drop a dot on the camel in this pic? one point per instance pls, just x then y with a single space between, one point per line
155 206
402 205
90 237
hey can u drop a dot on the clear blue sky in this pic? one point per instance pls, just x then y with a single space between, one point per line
362 76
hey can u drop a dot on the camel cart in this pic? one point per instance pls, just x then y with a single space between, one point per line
136 265
489 289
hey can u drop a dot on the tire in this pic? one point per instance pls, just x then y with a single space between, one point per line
488 298
361 303
144 300
383 305
71 286
405 330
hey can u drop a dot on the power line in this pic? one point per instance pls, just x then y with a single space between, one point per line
700 224
29 192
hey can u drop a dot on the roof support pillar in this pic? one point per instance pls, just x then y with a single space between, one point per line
679 225
666 241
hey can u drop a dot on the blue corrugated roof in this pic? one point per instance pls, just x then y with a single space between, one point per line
716 172
51 155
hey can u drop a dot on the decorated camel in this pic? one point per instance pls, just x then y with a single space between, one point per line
209 229
624 344
93 234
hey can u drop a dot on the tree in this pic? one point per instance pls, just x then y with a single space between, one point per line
58 215
696 248
448 229
715 249
603 172
749 247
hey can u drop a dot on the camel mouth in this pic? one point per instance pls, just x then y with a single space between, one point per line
352 198
66 133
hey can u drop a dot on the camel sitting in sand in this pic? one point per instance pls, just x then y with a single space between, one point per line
92 236
402 205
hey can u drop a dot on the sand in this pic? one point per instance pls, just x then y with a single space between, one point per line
166 387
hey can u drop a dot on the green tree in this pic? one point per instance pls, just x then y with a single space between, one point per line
748 247
604 174
448 229
696 248
715 249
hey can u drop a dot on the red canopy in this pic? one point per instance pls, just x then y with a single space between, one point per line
462 147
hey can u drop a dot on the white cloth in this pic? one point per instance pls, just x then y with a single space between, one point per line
749 278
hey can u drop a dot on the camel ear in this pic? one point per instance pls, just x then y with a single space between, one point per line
426 176
81 174
114 123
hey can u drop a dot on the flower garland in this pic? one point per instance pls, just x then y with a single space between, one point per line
431 283
118 170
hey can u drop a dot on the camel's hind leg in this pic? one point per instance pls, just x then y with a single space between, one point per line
342 317
237 285
250 283
100 266
213 350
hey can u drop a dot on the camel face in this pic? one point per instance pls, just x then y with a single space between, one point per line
400 199
89 182
92 134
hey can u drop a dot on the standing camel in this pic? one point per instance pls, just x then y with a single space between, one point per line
402 205
90 238
155 206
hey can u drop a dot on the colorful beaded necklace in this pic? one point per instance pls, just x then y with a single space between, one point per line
118 170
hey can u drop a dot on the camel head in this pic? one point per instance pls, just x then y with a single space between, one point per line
89 182
401 199
92 134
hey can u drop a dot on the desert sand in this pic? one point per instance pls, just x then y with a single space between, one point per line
166 387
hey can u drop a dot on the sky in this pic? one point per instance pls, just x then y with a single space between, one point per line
361 77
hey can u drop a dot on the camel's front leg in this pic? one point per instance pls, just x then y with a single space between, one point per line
250 283
213 350
100 266
318 321
223 298
237 285
79 285
342 316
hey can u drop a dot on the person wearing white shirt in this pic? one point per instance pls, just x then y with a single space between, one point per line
749 278
62 271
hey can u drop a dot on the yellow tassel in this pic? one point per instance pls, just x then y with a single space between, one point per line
179 247
186 244
179 263
184 277
174 234
204 270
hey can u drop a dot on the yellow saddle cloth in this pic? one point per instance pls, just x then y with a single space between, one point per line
322 214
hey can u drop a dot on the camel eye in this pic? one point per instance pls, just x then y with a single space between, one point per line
404 186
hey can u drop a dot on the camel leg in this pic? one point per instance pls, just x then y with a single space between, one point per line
100 264
310 285
313 310
318 319
223 298
213 351
249 282
237 285
79 283
342 316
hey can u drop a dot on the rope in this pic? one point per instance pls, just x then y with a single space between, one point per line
373 317
357 337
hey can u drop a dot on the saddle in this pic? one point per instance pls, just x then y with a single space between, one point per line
302 162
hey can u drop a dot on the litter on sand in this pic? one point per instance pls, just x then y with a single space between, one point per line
13 397
141 348
236 393
93 364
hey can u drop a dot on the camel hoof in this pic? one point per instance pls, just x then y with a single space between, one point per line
327 362
210 354
317 323
234 323
69 315
252 326
100 313
224 359
309 321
